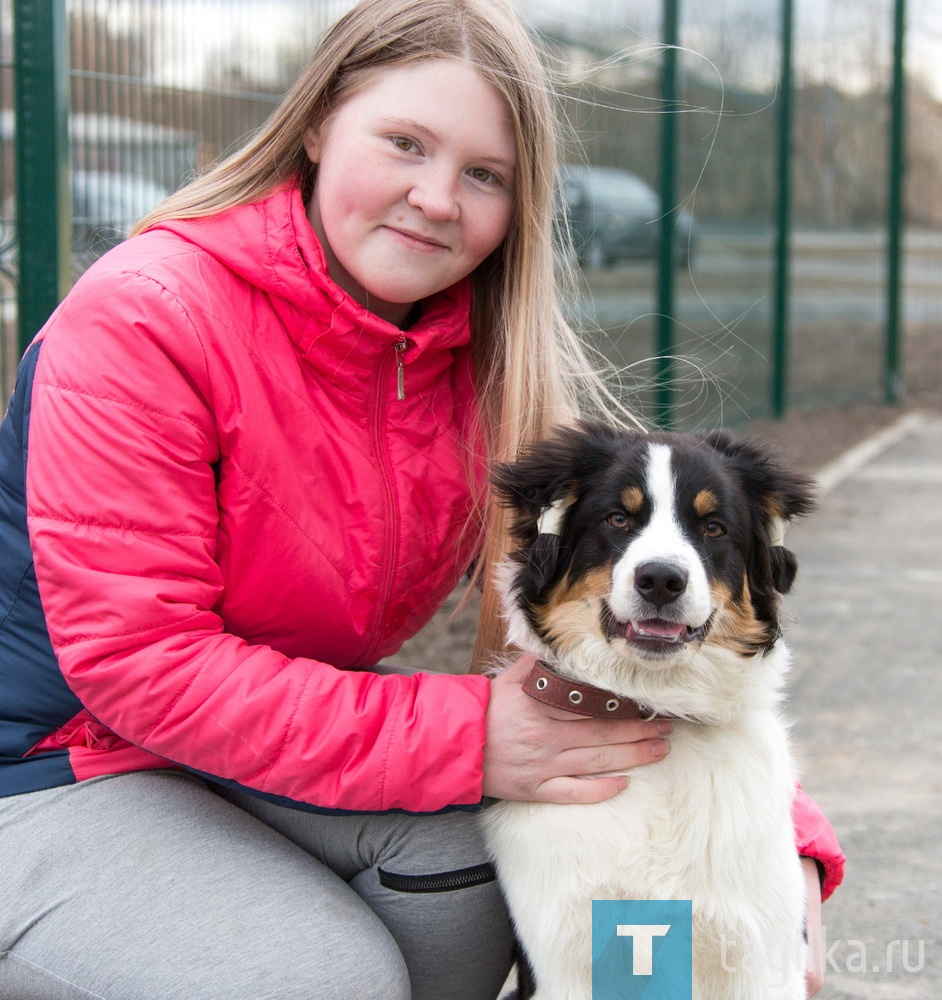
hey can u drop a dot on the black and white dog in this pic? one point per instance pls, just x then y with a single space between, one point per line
649 568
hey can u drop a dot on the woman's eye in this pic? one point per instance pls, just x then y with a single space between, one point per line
483 175
617 519
713 529
406 144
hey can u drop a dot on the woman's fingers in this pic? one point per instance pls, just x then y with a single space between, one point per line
587 761
580 790
537 753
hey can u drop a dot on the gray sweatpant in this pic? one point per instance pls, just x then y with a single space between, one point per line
157 885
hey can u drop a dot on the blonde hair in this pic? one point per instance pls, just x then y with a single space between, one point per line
532 370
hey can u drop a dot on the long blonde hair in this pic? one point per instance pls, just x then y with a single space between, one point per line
532 371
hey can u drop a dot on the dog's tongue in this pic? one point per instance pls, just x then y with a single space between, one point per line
657 628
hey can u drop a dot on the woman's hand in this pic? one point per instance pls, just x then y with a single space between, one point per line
536 753
814 965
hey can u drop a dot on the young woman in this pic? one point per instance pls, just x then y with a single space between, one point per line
243 463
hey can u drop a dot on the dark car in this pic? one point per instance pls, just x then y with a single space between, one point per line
614 215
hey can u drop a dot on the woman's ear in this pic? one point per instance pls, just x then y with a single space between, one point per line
312 144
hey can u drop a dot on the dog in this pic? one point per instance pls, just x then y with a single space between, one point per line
648 569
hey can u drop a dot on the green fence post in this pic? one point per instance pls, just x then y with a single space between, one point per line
665 299
780 319
892 373
43 209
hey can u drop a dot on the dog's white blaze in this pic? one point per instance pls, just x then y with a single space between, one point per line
662 540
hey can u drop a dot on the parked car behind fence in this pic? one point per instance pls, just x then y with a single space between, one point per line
614 215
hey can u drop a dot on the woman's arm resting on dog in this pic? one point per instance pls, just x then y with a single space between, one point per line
814 968
823 864
539 754
815 838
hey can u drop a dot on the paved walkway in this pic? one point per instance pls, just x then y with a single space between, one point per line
866 696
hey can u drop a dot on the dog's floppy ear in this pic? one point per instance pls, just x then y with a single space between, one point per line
538 498
779 495
543 554
788 495
782 561
539 488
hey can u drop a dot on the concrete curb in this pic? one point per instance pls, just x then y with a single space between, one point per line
854 459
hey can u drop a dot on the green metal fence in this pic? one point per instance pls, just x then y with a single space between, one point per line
785 137
788 260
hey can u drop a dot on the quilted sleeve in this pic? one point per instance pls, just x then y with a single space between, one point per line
815 838
123 519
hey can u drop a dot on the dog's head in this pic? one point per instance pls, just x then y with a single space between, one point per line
640 554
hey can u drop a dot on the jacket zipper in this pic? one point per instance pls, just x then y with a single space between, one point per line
399 348
462 878
378 412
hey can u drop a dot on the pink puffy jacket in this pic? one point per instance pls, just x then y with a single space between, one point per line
225 495
231 509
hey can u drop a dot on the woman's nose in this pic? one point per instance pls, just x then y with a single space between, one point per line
435 194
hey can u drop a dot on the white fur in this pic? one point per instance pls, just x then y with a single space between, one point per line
551 520
710 823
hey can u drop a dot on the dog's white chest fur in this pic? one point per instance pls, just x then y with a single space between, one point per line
709 823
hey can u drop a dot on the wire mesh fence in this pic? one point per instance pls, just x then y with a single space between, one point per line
724 265
158 89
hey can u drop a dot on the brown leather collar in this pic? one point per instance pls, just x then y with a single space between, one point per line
571 696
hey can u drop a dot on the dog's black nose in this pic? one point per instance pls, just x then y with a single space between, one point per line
660 582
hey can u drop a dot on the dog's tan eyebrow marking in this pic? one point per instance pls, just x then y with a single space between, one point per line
633 499
705 502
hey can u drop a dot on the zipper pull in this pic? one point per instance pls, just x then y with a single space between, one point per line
400 347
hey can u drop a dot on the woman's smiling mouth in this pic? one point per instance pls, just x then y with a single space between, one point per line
417 241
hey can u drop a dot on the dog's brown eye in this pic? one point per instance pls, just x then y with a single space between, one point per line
713 529
617 519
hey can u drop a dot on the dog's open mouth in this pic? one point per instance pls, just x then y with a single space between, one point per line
656 635
661 632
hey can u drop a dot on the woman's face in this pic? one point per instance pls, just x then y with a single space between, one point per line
415 183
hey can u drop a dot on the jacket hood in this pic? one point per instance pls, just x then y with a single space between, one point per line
271 244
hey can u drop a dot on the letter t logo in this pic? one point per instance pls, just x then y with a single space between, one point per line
621 970
642 935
